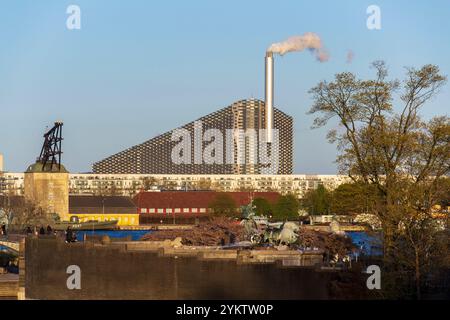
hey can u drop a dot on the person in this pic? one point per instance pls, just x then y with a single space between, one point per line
69 235
3 229
49 230
42 230
232 238
74 236
29 231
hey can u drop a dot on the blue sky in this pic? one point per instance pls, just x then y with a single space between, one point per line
138 68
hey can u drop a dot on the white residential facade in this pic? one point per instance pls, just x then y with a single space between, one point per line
130 184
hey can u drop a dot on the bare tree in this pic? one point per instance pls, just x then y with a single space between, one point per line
18 213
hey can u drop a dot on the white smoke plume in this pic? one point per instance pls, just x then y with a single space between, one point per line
309 40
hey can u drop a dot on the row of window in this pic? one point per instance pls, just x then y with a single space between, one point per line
173 210
104 219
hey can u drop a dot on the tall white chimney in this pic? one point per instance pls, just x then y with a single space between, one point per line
269 96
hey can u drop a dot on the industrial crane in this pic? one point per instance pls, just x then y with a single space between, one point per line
51 149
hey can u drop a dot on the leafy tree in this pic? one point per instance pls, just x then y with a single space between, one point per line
223 204
393 149
317 201
262 206
203 184
286 208
443 192
149 182
169 185
354 198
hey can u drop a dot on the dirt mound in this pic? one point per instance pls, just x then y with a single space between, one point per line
217 231
326 241
222 231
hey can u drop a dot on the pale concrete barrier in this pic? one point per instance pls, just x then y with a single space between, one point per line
286 258
218 255
175 249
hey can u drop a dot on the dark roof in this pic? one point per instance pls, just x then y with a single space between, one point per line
100 204
195 199
14 201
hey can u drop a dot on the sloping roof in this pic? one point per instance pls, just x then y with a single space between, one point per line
100 204
39 167
195 199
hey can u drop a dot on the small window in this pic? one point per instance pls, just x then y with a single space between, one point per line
177 210
143 210
160 210
194 210
185 210
169 210
151 210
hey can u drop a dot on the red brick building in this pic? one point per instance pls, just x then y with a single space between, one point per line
190 203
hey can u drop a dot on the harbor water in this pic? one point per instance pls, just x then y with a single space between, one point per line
135 235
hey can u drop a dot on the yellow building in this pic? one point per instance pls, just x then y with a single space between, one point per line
104 208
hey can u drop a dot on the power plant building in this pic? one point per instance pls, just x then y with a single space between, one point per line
241 128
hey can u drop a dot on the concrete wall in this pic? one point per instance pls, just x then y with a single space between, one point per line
112 272
48 190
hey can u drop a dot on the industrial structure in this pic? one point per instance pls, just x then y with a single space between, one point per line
46 182
242 117
251 131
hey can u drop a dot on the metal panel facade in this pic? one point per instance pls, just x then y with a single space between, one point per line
154 155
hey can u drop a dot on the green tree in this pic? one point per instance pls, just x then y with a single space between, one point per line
223 204
317 201
394 150
149 182
354 198
262 207
203 184
286 208
443 192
